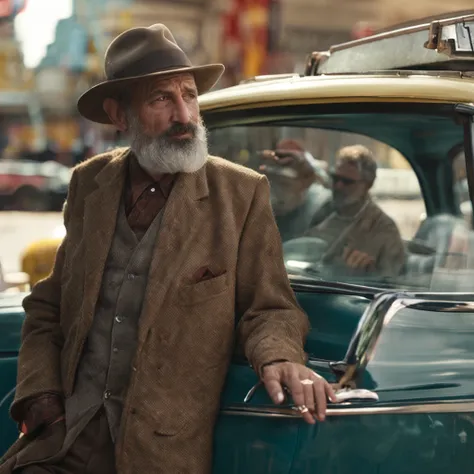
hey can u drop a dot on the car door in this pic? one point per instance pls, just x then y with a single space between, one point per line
11 319
247 440
416 416
252 434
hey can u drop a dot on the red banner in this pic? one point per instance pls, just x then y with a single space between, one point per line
246 30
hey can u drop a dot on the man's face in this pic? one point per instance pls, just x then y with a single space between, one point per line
165 127
348 187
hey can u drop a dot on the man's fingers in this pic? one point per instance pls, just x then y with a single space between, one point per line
345 254
309 391
359 260
309 397
296 389
320 396
364 262
351 258
274 389
331 394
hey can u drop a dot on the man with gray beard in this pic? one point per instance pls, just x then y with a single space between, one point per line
126 344
360 237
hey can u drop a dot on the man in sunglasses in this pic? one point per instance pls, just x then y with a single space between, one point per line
359 234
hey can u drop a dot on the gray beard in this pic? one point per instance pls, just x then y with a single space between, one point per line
162 155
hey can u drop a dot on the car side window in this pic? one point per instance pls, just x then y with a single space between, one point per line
396 189
461 187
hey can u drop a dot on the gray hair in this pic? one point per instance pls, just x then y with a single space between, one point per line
362 158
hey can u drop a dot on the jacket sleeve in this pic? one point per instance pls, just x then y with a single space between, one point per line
271 325
392 257
41 337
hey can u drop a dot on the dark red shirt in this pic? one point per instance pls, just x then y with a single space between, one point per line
145 196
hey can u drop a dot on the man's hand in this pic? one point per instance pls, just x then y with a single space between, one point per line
296 161
358 260
308 390
42 411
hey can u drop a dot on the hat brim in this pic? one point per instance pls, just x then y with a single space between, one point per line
90 104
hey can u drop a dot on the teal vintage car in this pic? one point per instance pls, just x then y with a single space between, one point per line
398 348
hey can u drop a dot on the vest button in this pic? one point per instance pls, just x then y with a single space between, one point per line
118 318
131 276
115 350
107 394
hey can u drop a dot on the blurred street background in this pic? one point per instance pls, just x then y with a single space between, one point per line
52 50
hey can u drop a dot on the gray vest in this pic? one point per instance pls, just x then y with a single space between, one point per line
104 370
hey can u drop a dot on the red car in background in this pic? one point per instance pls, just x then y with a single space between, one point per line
27 185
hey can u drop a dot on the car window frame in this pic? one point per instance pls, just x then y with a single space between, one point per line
278 115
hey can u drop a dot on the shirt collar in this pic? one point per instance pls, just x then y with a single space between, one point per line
140 180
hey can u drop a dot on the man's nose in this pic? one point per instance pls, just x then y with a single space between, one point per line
181 112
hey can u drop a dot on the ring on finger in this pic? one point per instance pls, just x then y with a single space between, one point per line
303 409
307 382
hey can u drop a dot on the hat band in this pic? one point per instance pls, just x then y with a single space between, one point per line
153 62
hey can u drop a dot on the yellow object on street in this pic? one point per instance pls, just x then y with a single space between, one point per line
38 259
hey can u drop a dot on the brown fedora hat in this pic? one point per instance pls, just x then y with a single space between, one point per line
138 53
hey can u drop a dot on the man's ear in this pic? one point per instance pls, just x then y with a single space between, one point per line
116 114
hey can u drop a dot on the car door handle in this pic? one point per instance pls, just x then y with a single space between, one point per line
353 394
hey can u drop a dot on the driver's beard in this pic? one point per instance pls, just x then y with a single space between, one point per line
348 202
161 154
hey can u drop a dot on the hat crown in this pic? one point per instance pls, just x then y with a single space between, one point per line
143 50
138 54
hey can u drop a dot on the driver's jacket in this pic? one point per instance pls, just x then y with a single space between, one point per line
371 231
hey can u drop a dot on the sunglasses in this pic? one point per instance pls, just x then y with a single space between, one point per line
345 181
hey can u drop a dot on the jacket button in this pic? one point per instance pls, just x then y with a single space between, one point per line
107 394
119 318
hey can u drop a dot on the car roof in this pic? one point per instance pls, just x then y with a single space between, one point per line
387 86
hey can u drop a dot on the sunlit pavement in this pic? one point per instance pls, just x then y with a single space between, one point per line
19 229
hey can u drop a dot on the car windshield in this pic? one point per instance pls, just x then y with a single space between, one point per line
366 196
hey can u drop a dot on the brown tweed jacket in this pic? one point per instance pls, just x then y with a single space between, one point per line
220 218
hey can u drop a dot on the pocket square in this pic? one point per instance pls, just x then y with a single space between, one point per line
202 274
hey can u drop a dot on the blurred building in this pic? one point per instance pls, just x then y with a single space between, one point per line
19 107
249 36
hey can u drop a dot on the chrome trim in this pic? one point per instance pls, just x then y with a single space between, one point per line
252 391
345 409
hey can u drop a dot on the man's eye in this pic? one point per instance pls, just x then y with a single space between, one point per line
160 98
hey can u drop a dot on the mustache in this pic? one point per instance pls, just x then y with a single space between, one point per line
181 128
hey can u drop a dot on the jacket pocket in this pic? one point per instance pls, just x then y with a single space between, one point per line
204 290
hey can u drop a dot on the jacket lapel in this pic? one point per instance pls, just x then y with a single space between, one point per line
184 214
100 217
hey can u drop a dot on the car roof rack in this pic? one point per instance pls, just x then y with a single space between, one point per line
269 77
434 44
